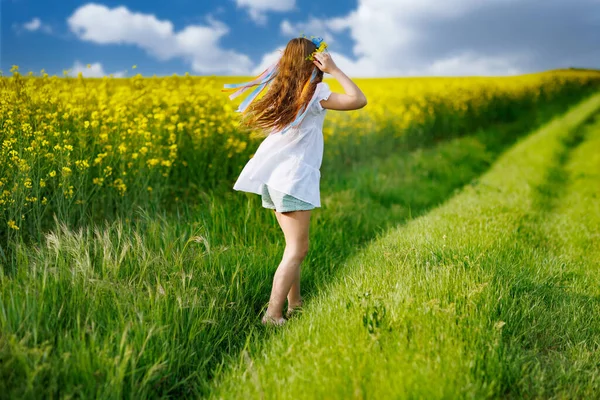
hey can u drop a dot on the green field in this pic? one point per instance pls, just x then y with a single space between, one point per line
466 267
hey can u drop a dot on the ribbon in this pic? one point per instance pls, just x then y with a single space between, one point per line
261 82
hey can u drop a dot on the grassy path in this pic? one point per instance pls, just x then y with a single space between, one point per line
493 295
162 306
551 347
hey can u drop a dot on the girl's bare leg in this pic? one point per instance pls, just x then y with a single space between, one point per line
286 282
294 298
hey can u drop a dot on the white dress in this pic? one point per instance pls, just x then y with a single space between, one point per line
289 162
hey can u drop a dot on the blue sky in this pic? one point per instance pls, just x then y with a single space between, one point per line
366 37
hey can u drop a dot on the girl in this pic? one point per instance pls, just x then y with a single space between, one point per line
285 168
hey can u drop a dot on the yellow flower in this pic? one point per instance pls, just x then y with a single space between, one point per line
98 181
14 156
120 186
68 192
99 158
82 165
13 225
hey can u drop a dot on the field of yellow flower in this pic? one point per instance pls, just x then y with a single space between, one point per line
89 148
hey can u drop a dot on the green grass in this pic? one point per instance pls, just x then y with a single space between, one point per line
493 295
169 306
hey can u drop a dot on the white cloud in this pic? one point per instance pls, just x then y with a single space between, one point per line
362 67
471 64
384 34
196 44
95 70
267 60
464 64
462 37
384 39
257 9
312 27
36 25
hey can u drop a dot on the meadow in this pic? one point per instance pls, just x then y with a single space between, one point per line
457 243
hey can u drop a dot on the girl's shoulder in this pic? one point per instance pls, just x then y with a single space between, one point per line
322 92
321 86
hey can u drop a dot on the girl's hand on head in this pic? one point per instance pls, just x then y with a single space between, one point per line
324 62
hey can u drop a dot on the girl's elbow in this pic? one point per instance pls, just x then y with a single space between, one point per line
362 102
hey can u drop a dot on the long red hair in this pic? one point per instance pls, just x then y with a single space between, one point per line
289 93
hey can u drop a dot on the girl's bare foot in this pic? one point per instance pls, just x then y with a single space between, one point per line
294 309
269 320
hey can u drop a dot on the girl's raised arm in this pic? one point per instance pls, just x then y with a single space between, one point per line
352 99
